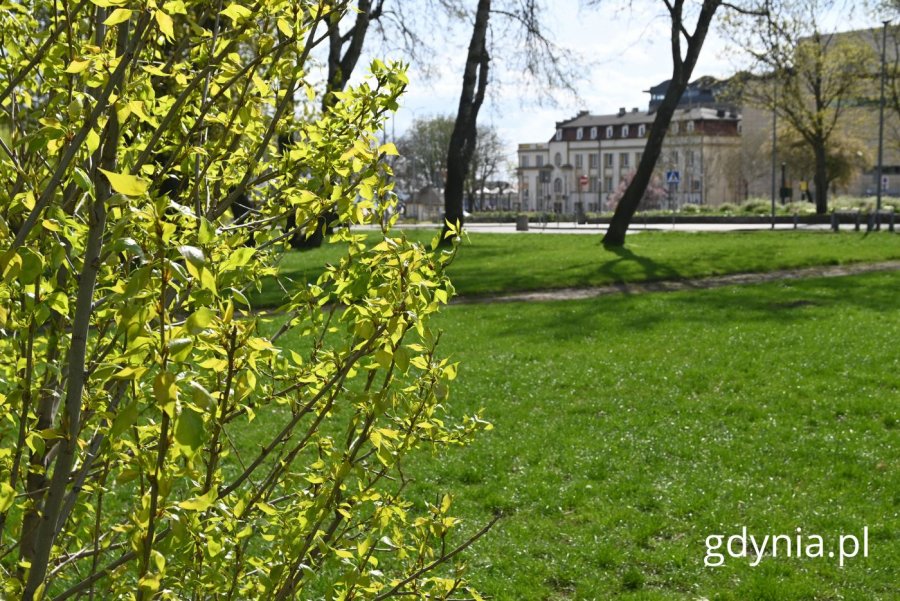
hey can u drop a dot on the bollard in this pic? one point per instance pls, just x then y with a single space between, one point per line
835 223
857 221
796 221
521 223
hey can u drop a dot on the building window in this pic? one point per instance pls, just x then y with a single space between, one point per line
593 185
689 158
609 132
593 133
579 161
525 160
642 130
579 134
624 131
593 160
539 160
623 160
557 159
675 158
608 160
690 127
607 184
637 157
695 185
557 185
558 135
675 127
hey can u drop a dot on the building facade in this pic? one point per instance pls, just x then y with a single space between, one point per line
590 157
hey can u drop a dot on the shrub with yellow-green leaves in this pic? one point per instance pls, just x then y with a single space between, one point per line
132 366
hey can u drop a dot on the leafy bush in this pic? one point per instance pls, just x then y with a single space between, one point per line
798 208
132 366
757 207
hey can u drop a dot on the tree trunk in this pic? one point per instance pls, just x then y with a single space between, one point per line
618 225
340 68
821 180
462 141
682 68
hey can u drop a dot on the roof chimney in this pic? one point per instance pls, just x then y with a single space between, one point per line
621 111
634 110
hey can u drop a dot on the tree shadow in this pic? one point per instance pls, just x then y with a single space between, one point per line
622 268
780 304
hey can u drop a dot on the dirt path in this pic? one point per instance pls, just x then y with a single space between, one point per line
716 281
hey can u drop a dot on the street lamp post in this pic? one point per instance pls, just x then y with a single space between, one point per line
783 182
774 142
880 175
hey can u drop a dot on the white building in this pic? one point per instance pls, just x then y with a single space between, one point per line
587 158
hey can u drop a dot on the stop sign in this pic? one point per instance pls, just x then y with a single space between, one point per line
583 180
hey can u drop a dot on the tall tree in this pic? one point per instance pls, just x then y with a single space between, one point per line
685 48
534 54
811 79
423 151
465 130
486 164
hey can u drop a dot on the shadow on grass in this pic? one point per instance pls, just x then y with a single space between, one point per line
781 304
623 267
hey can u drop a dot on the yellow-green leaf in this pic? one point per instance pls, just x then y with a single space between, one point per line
7 496
165 391
285 28
201 503
388 149
77 66
165 24
120 15
237 13
59 302
189 432
123 183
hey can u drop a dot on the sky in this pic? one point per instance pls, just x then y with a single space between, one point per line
624 51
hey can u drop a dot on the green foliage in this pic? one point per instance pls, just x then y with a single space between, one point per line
130 354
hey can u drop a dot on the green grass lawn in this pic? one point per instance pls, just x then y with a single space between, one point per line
494 263
630 428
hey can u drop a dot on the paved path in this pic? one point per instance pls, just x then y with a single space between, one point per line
571 227
684 284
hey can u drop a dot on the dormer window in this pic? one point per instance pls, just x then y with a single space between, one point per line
593 133
642 131
558 135
609 132
624 131
579 134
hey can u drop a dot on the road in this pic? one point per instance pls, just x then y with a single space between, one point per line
573 228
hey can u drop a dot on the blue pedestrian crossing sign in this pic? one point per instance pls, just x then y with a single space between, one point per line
673 177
